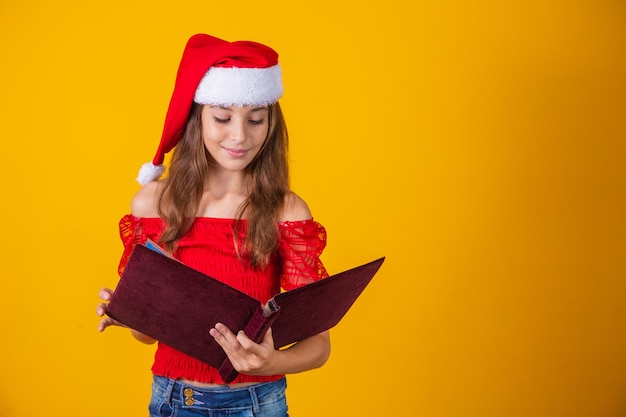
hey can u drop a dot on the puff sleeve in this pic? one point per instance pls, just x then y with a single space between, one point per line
135 230
300 245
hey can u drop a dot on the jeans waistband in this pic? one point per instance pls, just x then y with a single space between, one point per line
190 396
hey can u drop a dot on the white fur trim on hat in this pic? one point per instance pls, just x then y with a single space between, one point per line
240 86
149 172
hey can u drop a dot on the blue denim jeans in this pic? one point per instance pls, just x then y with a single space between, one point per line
171 398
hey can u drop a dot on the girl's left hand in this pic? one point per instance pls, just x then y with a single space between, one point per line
245 355
105 295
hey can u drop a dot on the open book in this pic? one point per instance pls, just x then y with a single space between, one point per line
177 305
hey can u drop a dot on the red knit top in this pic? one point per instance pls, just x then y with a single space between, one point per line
208 246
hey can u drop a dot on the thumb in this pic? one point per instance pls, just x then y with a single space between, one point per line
268 339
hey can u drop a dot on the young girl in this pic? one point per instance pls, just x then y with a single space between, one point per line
225 209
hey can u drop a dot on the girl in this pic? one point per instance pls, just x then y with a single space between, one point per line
225 209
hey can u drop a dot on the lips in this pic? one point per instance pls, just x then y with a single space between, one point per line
236 153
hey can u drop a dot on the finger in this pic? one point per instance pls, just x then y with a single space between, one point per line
241 357
252 355
224 332
268 338
224 337
105 294
101 309
245 341
251 345
104 323
108 321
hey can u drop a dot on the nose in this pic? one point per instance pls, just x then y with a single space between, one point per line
239 131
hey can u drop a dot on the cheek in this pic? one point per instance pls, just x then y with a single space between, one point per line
261 134
211 133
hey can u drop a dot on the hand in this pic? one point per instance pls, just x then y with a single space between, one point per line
105 295
245 355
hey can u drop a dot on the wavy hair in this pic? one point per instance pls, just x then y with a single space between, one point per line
268 176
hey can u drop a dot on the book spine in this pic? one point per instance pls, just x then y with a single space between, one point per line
256 328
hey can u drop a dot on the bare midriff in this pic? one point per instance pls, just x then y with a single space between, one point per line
210 385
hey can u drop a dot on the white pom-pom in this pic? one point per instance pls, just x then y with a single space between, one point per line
149 172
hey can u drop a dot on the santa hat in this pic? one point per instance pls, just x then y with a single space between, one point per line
217 72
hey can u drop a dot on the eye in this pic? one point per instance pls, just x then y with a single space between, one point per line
257 122
222 121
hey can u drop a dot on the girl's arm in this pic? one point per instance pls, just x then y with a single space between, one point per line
262 359
143 204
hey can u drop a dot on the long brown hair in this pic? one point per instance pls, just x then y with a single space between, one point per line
268 176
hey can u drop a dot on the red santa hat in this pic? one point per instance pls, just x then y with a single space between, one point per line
217 72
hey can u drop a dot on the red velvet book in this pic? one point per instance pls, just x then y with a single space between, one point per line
177 305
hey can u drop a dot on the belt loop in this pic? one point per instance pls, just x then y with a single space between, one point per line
169 390
254 399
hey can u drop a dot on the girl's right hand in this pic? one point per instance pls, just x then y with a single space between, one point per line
105 295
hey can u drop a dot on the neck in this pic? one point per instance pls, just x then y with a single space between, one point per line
224 192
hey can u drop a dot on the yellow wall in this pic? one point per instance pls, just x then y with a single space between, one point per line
479 145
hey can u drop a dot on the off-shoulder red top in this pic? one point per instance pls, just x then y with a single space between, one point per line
208 246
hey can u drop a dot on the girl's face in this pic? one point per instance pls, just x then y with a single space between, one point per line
234 135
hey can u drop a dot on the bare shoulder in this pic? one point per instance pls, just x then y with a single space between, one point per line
144 202
295 208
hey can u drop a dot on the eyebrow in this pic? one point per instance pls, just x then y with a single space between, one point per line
252 110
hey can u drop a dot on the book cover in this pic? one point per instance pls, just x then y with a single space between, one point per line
177 305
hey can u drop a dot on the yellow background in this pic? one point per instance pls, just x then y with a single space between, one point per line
479 145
